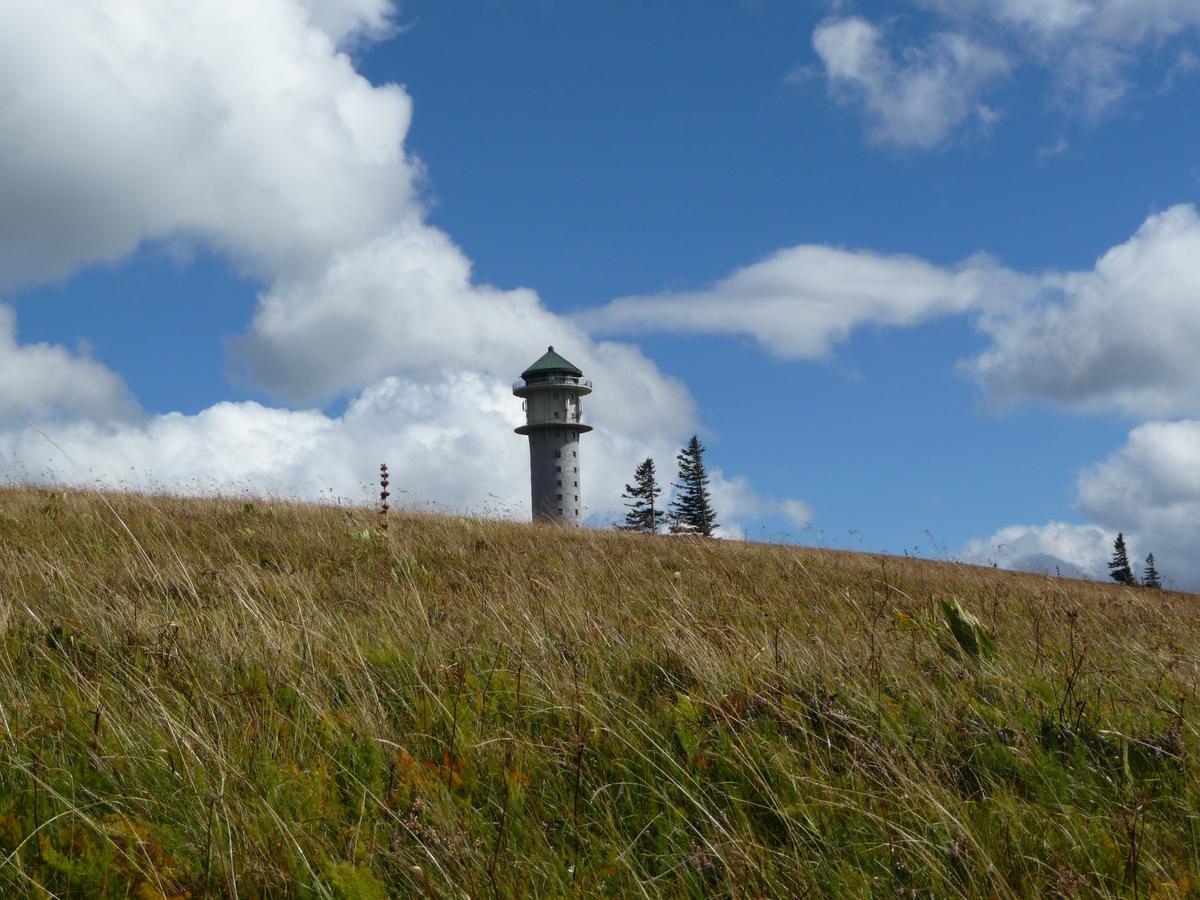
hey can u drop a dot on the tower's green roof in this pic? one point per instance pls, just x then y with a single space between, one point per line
551 364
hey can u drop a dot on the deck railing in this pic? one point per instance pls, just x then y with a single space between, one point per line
552 381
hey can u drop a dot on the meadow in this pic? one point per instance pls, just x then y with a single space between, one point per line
244 698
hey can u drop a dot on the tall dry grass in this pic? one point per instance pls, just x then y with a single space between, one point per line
261 699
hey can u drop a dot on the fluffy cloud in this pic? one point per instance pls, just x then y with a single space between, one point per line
43 382
350 19
736 502
917 101
239 124
1089 48
1119 22
1056 548
1157 472
1122 336
800 301
1149 489
1089 45
448 442
405 304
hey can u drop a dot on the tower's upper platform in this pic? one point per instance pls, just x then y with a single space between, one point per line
552 371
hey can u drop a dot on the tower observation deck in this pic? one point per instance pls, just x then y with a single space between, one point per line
553 389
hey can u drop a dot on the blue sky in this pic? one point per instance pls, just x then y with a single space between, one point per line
856 246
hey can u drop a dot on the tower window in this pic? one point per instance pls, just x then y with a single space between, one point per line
560 496
577 483
576 512
560 482
557 454
576 498
575 469
572 452
558 468
556 414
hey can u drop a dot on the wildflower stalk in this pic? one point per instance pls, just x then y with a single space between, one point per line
383 496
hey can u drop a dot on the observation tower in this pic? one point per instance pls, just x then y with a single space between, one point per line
553 389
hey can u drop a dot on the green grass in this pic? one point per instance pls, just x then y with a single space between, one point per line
211 697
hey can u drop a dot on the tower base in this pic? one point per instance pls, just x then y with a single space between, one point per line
554 475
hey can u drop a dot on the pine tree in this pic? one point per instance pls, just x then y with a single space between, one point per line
644 514
691 510
1150 576
1119 566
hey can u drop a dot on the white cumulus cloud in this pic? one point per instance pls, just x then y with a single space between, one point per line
1090 50
1119 337
238 124
1089 46
1056 548
47 382
1149 490
445 443
1122 336
243 126
448 442
800 301
736 502
1124 22
351 19
917 100
405 304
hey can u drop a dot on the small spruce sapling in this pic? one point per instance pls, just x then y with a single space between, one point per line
1150 575
691 510
1119 570
644 514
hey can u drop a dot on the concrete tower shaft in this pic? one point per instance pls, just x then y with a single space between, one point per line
553 389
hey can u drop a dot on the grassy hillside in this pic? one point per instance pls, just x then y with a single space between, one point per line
220 698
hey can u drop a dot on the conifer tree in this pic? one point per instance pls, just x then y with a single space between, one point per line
1119 570
644 514
1150 576
691 510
